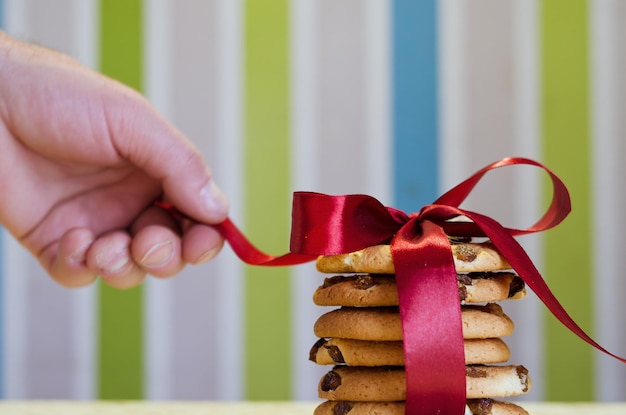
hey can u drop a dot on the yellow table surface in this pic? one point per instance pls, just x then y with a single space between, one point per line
249 408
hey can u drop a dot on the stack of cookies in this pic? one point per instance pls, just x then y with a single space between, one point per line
362 339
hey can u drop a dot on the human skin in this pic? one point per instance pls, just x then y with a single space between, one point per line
82 159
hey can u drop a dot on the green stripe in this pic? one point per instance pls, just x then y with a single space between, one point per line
120 343
566 145
267 198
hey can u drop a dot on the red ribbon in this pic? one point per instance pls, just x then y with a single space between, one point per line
425 272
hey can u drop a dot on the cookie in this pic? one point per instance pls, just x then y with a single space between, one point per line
379 290
348 383
390 353
482 287
496 381
359 408
362 290
488 406
468 257
383 323
357 352
374 384
474 407
486 351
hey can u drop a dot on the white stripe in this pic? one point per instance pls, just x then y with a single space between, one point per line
15 18
452 29
84 341
230 135
303 93
73 310
15 313
156 51
528 348
86 29
305 60
609 285
377 119
304 99
158 298
457 128
85 49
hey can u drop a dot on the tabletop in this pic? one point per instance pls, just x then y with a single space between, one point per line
249 408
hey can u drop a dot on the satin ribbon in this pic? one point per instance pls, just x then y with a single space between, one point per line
425 273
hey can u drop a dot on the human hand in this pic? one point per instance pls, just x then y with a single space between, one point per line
82 159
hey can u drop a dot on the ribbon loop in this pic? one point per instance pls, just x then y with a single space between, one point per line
560 205
327 225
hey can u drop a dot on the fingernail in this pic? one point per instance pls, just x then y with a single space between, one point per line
78 256
207 256
112 265
214 200
159 254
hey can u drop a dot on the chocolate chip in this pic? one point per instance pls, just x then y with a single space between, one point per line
363 282
522 374
342 408
315 348
466 253
459 239
493 308
462 292
465 279
332 281
331 381
480 406
474 371
517 285
335 354
480 275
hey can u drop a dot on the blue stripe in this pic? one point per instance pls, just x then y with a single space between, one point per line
415 126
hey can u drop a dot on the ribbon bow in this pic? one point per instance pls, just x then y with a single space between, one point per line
425 273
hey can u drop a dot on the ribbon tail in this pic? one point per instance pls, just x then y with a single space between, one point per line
523 265
241 246
249 254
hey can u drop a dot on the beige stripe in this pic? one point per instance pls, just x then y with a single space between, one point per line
331 134
341 108
494 80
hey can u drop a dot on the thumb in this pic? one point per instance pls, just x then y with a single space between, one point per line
145 138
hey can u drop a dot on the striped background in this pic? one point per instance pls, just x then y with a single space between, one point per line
395 98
